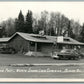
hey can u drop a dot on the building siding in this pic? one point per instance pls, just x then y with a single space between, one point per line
19 44
45 47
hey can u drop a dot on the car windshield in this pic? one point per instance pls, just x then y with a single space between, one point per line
66 50
54 53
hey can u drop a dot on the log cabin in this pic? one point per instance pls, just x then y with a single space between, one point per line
25 42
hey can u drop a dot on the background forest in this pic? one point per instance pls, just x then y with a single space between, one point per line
53 24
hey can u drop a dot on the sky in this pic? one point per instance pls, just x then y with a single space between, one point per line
72 10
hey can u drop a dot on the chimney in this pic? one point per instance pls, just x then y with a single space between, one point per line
41 32
59 38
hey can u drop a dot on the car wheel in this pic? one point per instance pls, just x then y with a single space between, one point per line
69 58
54 58
59 58
74 58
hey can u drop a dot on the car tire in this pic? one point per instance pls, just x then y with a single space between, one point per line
55 58
59 58
74 58
69 58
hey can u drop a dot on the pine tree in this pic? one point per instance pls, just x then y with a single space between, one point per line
52 32
70 31
28 23
82 34
2 31
19 23
16 25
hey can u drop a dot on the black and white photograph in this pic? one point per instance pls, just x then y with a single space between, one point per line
42 40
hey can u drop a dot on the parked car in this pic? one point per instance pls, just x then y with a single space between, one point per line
66 54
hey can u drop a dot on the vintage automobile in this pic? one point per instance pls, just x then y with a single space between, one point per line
66 54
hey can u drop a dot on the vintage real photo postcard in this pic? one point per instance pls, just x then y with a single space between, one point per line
42 41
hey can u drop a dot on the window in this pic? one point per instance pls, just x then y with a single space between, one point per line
32 43
67 40
60 46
